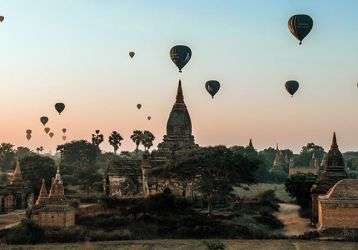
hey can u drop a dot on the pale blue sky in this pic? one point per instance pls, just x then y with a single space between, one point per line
77 52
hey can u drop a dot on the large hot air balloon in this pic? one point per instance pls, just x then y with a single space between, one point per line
212 87
292 86
1 19
44 120
64 137
139 106
149 117
28 136
59 107
64 130
180 55
131 54
300 26
51 134
47 130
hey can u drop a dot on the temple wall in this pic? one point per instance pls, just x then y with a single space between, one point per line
337 215
302 170
55 219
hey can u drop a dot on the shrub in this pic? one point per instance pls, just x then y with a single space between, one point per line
215 245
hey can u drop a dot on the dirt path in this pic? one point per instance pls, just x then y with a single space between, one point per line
294 224
11 219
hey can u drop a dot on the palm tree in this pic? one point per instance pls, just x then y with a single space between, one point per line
137 138
97 138
148 139
115 140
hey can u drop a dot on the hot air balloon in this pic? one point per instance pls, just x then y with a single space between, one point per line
149 117
292 86
1 19
44 120
180 55
64 130
28 131
59 107
139 106
212 87
131 54
47 130
300 26
51 134
64 137
28 136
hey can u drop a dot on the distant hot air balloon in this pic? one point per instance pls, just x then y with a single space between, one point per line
59 107
139 106
47 130
131 54
212 87
180 55
51 134
292 86
28 136
28 131
64 137
1 19
64 130
44 120
149 117
300 26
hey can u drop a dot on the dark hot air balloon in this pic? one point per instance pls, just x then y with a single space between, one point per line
28 131
1 19
64 137
149 117
180 55
131 54
64 130
59 107
139 106
212 87
44 120
300 26
28 136
47 130
51 134
292 86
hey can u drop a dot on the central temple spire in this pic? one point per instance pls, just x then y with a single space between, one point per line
334 141
180 96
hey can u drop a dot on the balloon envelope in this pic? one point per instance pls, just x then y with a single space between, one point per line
47 130
44 120
64 130
212 87
59 107
300 26
28 136
149 117
64 137
139 106
131 54
180 55
51 134
1 18
292 86
28 131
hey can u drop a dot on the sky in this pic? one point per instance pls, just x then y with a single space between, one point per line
76 52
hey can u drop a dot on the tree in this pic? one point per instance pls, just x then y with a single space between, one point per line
147 139
299 187
115 140
36 167
215 171
137 138
306 153
7 156
22 152
97 138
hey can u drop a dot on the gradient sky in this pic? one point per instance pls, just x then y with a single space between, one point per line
77 52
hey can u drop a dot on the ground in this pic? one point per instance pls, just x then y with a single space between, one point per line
196 244
11 219
253 190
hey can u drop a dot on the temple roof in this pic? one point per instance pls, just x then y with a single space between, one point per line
334 156
57 190
346 189
43 194
17 175
251 145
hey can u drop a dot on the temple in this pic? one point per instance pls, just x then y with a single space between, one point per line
280 162
334 171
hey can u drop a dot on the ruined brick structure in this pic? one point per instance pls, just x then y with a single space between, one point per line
312 168
17 194
339 207
334 171
52 210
